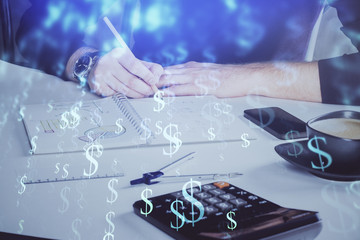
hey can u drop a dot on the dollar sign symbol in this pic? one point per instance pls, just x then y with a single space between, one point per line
66 173
218 111
193 201
120 127
64 120
144 196
74 227
63 194
203 88
33 144
147 132
21 226
319 152
290 136
246 142
355 191
233 223
114 194
21 112
270 116
175 142
178 215
57 168
330 195
23 186
90 157
212 135
227 112
109 234
75 118
159 128
50 107
158 97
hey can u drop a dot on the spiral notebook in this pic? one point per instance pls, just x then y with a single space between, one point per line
118 122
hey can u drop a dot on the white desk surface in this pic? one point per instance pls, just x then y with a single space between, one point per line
38 211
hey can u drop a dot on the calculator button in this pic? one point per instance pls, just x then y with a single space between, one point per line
224 206
208 187
194 190
253 198
216 192
238 202
195 213
227 196
202 195
210 210
213 200
177 194
241 193
204 203
158 206
221 184
185 202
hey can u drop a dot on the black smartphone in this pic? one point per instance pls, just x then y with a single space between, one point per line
277 122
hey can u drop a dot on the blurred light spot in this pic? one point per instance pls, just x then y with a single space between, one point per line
135 19
231 4
159 15
54 13
209 55
182 53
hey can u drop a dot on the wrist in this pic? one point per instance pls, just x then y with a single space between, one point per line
70 66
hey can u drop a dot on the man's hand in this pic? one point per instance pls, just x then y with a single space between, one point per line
120 71
195 78
289 80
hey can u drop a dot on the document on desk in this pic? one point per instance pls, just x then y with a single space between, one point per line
118 122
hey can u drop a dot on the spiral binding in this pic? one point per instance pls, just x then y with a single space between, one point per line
130 113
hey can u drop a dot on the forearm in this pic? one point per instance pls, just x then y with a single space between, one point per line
72 60
298 81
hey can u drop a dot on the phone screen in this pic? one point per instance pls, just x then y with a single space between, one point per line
277 122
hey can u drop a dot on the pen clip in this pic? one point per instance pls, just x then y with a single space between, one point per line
147 178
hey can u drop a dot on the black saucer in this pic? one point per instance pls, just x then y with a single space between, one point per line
304 160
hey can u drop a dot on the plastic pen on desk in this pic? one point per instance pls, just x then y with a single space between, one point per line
122 43
200 177
150 178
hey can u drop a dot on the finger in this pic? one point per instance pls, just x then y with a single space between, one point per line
118 86
136 67
101 89
182 90
130 81
155 68
107 91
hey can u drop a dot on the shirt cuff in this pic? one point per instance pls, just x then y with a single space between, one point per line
340 80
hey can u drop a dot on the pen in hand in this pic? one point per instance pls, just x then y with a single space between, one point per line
123 44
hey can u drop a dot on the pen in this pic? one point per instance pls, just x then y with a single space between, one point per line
158 176
122 43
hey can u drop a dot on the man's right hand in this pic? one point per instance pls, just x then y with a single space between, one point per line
120 71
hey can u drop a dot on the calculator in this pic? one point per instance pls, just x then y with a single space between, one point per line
221 210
